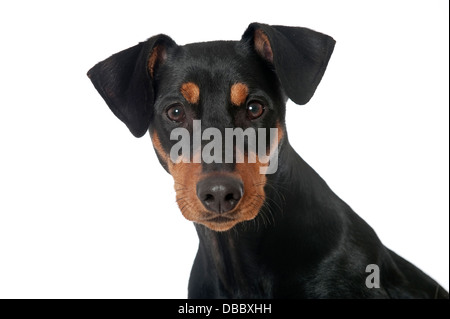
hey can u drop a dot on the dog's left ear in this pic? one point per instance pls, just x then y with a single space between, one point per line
299 56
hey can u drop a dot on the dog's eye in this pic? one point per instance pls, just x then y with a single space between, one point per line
254 110
176 113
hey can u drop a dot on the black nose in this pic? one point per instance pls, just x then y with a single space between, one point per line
220 194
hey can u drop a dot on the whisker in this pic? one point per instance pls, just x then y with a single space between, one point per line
185 207
178 183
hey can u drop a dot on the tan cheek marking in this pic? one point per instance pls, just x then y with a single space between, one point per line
239 93
158 147
280 133
186 177
254 195
191 92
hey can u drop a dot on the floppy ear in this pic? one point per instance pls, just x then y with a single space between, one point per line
125 81
299 56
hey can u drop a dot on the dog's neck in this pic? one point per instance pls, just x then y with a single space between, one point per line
287 221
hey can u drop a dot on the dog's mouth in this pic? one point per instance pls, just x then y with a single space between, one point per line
219 219
219 222
246 210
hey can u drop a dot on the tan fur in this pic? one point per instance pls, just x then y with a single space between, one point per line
191 92
238 93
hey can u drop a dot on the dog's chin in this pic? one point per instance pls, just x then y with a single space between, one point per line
219 223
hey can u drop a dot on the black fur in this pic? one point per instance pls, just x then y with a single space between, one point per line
125 84
305 242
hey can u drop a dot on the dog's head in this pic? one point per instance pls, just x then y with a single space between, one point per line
215 110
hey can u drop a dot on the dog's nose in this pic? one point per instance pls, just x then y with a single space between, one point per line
220 194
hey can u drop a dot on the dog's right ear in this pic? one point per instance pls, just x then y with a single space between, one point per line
125 81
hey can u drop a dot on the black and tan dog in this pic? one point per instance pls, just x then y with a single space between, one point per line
281 235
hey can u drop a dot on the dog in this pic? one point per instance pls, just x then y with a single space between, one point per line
279 234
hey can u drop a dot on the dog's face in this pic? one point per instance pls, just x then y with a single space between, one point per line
192 98
223 85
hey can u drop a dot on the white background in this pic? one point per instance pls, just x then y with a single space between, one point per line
86 211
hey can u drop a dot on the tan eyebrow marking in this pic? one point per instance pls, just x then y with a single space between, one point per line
239 93
191 92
